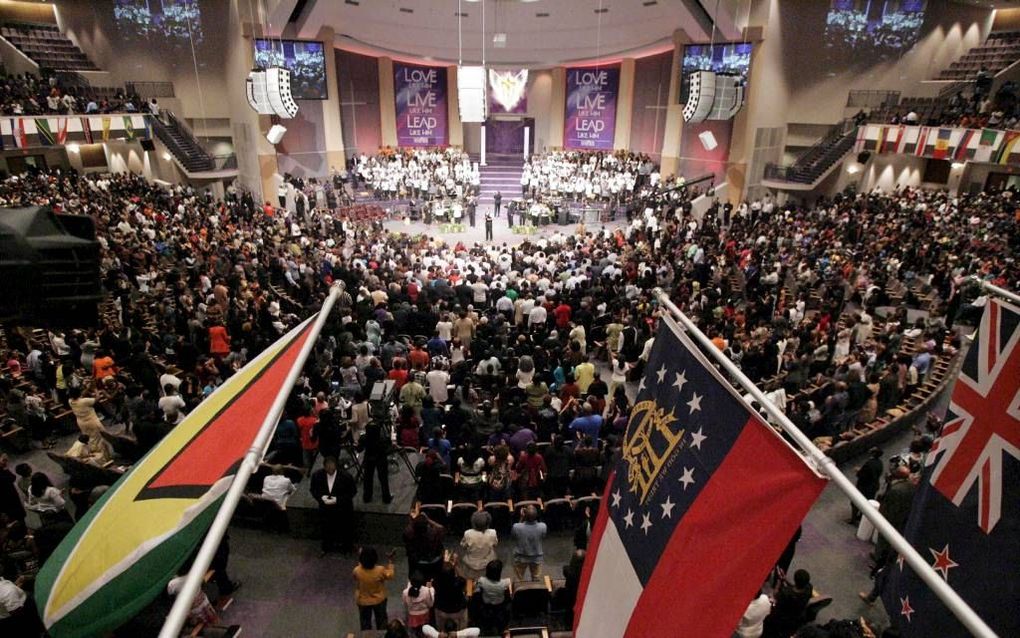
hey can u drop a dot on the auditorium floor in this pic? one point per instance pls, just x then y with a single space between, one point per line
291 590
501 232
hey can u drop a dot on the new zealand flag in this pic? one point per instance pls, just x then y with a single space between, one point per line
966 513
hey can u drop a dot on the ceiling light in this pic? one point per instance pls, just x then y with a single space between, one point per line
166 156
542 15
73 148
406 10
602 10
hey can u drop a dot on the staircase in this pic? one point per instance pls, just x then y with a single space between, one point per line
503 174
182 144
811 167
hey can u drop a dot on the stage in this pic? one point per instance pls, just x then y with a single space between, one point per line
501 232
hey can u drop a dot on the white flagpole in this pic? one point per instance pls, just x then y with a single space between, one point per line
826 465
182 604
995 290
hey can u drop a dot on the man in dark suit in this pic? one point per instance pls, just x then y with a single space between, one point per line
488 226
333 489
496 199
376 446
869 478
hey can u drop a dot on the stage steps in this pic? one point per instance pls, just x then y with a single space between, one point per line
503 174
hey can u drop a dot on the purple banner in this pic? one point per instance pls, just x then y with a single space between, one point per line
420 93
591 107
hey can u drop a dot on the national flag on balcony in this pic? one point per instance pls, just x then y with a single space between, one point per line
942 144
966 512
129 127
42 127
986 145
18 131
892 141
960 154
1009 140
62 131
120 555
922 141
86 130
703 501
106 128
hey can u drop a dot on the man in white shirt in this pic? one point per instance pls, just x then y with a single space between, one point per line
538 316
437 381
172 405
169 379
753 621
278 487
12 597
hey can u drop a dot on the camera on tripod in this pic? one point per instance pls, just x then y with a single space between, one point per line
380 401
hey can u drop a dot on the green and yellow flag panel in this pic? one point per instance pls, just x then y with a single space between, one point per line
121 554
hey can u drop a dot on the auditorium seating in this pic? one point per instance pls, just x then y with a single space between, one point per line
1000 50
47 46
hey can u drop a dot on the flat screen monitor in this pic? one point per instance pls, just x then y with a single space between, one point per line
306 61
722 58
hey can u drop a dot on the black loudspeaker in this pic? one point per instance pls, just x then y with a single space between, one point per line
148 145
863 157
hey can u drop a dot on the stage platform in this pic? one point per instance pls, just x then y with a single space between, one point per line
501 232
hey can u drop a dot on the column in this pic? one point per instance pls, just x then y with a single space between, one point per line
745 121
670 162
557 107
387 107
624 105
454 128
331 127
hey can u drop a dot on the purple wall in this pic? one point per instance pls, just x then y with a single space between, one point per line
358 79
651 89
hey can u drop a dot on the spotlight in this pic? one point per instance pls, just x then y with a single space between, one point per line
708 140
73 148
275 134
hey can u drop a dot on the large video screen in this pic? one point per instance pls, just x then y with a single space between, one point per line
162 20
873 28
306 62
721 58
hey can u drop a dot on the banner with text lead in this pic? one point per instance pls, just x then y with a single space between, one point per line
420 93
590 121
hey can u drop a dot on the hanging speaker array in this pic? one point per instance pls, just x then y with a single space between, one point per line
713 96
268 92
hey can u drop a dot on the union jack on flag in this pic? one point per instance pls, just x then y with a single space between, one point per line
966 513
983 424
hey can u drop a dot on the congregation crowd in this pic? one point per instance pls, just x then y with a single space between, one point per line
510 364
28 94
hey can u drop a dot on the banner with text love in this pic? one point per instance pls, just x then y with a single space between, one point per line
590 121
420 93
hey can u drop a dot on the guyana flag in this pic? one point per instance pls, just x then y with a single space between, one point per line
122 553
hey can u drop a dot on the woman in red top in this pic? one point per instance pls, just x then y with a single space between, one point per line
398 373
309 438
531 472
219 340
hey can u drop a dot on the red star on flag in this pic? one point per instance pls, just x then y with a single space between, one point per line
943 563
906 610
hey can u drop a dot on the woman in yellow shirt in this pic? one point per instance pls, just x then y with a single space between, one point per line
370 587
